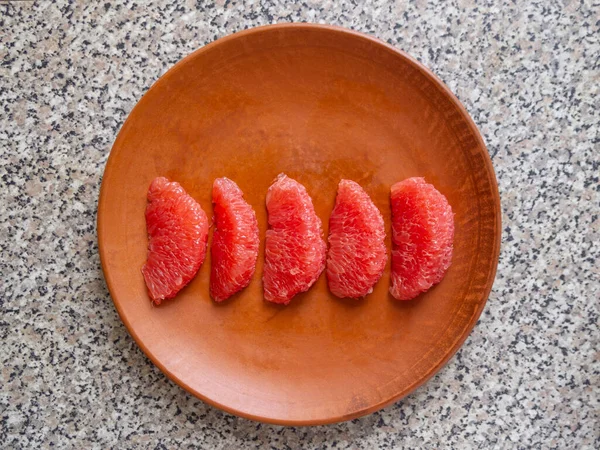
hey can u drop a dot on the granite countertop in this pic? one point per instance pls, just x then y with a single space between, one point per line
528 375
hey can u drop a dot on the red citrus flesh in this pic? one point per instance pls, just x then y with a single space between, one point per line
177 232
422 235
294 248
357 253
235 241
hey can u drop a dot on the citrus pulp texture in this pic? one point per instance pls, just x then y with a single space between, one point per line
357 253
422 235
177 231
294 248
235 241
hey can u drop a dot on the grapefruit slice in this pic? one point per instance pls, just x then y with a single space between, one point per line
422 235
294 248
234 247
357 253
177 231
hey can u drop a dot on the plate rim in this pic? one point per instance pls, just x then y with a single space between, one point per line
422 69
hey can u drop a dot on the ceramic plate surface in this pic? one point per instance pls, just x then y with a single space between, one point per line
320 104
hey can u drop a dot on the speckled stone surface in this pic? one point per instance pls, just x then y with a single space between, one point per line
528 375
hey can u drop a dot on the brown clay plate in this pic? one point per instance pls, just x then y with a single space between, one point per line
320 104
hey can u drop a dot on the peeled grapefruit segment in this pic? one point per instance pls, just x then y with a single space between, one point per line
177 234
422 235
357 253
294 248
234 247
